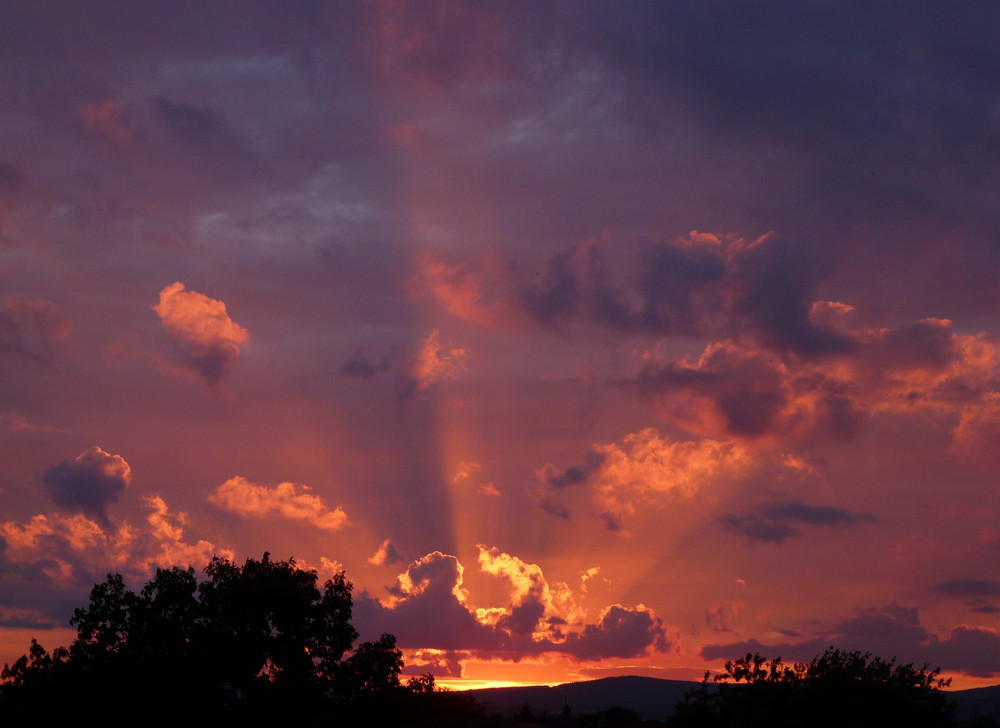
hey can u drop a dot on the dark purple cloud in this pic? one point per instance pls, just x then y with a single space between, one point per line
620 632
31 328
894 631
970 588
761 291
88 483
773 522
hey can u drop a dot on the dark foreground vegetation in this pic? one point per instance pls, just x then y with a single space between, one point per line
264 644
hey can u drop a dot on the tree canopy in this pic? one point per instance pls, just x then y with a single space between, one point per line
836 688
247 639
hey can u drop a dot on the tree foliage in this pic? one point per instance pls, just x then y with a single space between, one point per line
248 640
834 689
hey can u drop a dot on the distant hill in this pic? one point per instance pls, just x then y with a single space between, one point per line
651 698
654 699
977 700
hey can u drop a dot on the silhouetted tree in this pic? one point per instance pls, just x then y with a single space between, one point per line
836 688
247 641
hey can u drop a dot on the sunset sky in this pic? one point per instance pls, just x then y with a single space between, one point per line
589 338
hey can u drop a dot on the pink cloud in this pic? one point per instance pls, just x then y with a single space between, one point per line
385 555
432 363
206 337
288 500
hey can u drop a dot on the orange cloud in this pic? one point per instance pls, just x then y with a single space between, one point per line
289 500
645 466
534 602
205 336
77 550
168 531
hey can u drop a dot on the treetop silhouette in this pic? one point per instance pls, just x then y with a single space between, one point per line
247 639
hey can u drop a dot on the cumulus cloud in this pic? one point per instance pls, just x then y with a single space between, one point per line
644 467
288 500
206 337
535 605
48 561
772 522
31 328
167 529
620 632
429 607
88 483
892 631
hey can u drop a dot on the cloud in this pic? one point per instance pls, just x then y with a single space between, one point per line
970 588
645 467
31 328
88 483
534 603
205 336
167 530
753 394
620 632
748 394
48 562
429 608
978 591
289 500
385 555
720 617
194 125
363 365
772 522
892 631
432 363
758 291
105 120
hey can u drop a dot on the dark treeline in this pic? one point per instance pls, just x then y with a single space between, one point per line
263 643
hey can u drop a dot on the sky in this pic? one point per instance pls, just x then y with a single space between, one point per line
588 338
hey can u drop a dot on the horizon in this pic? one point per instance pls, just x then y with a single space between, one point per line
584 338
